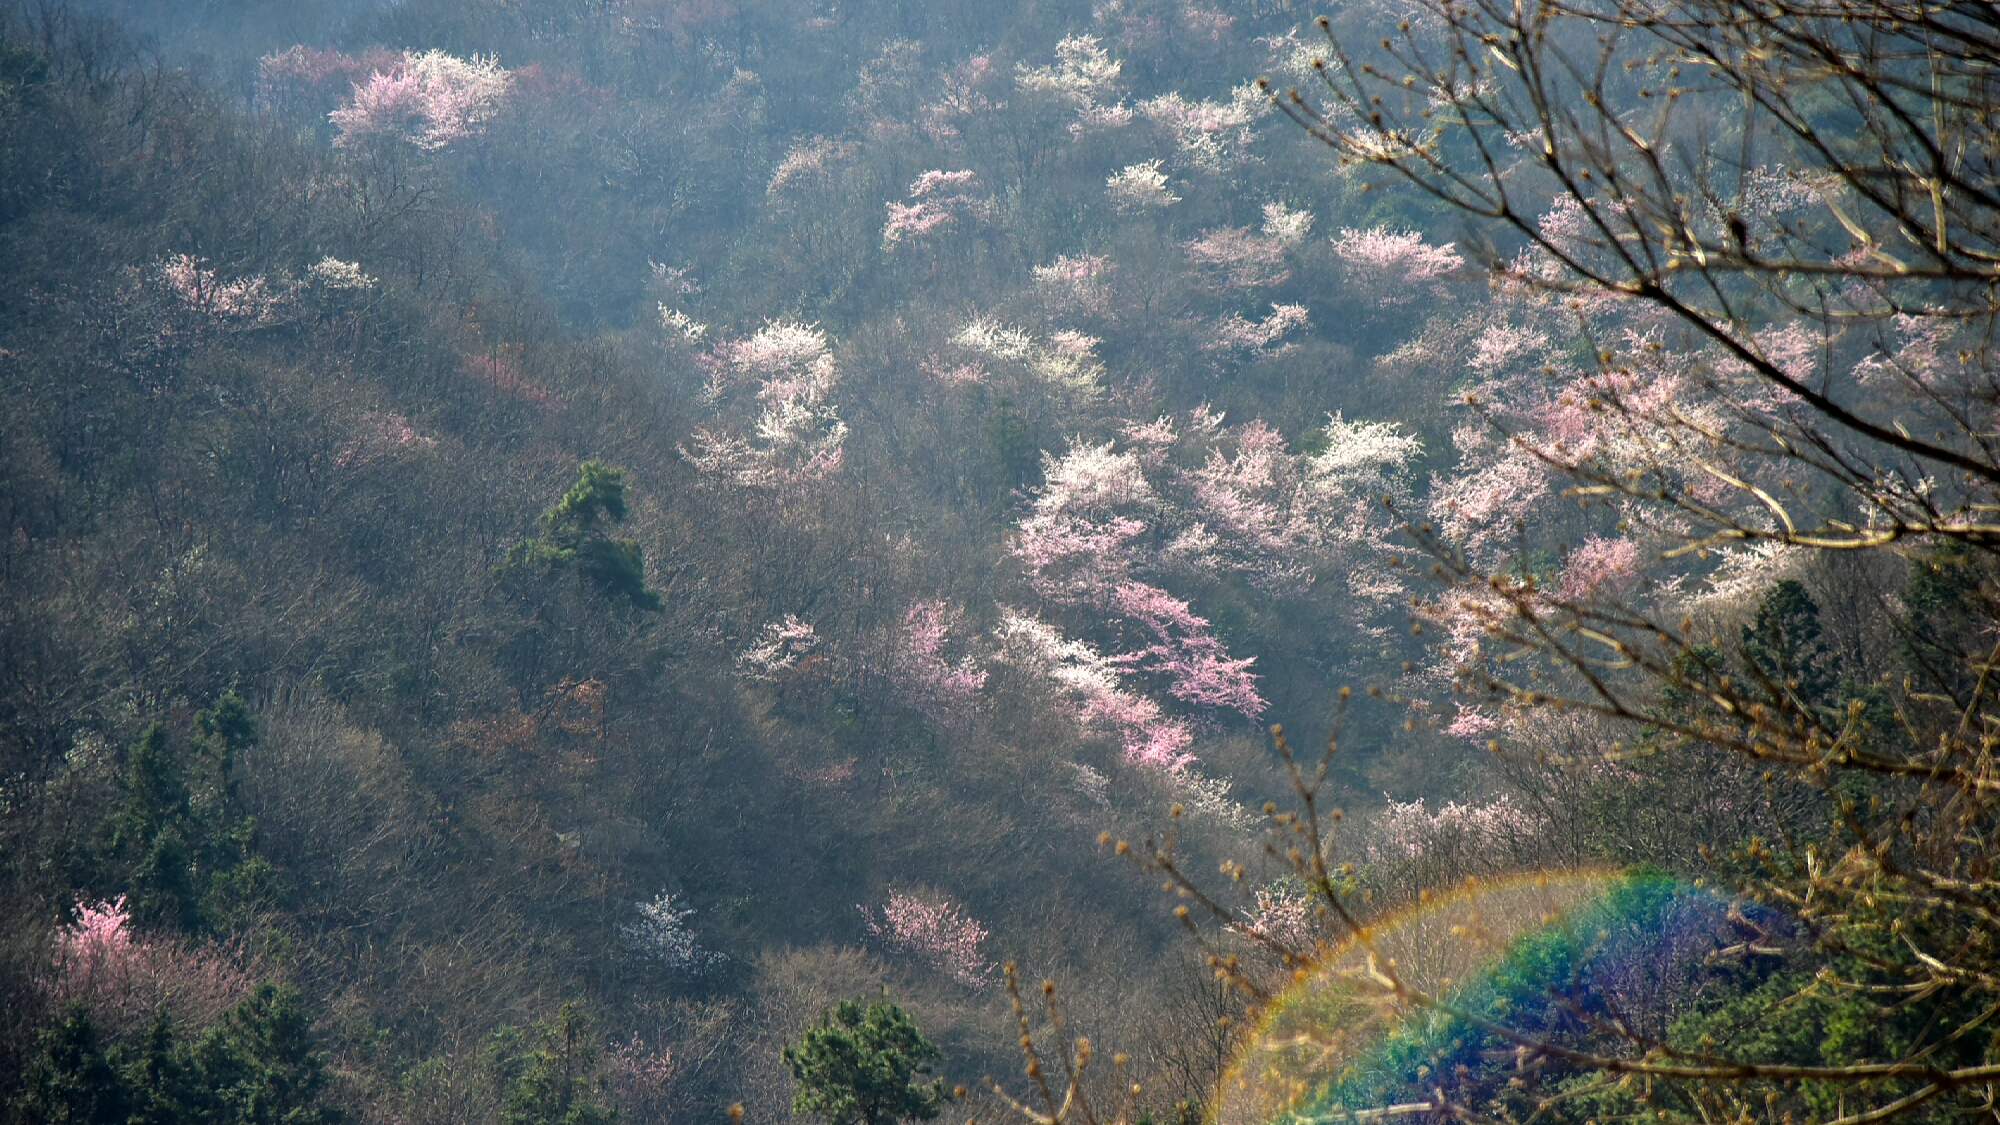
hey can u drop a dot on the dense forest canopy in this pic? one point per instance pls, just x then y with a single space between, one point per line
554 550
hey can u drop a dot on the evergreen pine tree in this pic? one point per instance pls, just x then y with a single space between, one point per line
70 1081
857 1068
573 538
1783 643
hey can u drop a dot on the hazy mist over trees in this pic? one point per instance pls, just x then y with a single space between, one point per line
671 560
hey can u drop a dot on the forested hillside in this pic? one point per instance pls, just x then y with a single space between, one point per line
549 542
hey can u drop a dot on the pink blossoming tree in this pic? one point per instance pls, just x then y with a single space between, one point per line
1235 335
934 930
1111 527
938 201
1208 136
787 374
943 690
428 100
1238 259
1393 267
1076 286
124 978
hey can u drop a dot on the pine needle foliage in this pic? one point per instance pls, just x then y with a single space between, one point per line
573 538
865 1067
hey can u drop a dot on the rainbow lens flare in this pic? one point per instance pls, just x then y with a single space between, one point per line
1527 952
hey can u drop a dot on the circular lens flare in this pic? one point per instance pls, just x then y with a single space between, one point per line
1363 1029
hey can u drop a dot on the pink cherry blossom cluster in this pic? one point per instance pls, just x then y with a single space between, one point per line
810 162
963 91
1197 668
1638 411
1496 489
1091 686
1286 226
1077 286
428 100
125 979
797 439
779 649
783 359
945 691
242 303
1065 360
1393 267
1407 830
1658 411
954 374
1077 539
1086 77
1252 507
1502 345
1283 914
300 76
938 200
1139 187
1599 567
1209 136
1237 258
1235 334
1110 525
935 930
379 435
1084 72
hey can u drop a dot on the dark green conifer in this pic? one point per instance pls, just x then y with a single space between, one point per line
555 1081
864 1068
1783 643
258 1064
70 1081
573 538
151 828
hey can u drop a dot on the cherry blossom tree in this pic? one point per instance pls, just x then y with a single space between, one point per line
945 691
1208 136
1092 686
1076 286
332 274
809 162
125 978
1064 360
938 201
302 77
1111 527
1239 258
963 91
1392 268
1083 73
1286 226
243 302
1139 187
796 440
663 936
1234 334
935 930
1282 913
427 99
781 645
1084 76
